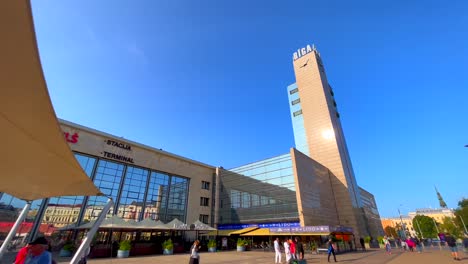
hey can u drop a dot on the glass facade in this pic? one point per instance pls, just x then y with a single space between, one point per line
297 118
133 193
10 208
139 193
259 192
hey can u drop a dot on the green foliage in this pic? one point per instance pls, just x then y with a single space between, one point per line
242 242
367 239
69 246
125 245
448 225
390 231
380 239
168 244
426 225
211 243
462 213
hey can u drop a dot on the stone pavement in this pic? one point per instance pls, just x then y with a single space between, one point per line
378 256
433 256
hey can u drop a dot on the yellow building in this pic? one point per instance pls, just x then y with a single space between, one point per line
396 222
437 214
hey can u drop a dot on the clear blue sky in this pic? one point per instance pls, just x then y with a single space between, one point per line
207 80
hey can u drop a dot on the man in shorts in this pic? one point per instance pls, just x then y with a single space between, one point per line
452 243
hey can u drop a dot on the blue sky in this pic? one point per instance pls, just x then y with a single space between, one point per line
207 80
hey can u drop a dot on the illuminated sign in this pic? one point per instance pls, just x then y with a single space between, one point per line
301 52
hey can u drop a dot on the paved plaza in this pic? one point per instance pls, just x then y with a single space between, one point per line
434 256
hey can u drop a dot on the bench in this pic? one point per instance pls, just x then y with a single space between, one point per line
320 250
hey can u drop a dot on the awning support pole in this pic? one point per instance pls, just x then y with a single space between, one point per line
15 228
89 237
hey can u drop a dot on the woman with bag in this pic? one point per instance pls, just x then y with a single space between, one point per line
194 256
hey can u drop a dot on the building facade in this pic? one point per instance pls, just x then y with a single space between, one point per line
312 185
144 182
438 214
398 222
318 132
371 213
290 189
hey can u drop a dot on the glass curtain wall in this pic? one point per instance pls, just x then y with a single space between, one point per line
108 178
259 192
156 199
133 194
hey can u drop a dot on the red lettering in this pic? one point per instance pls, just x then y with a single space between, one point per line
71 139
74 138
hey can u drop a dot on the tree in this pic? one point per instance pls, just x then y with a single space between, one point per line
390 231
448 225
462 212
425 224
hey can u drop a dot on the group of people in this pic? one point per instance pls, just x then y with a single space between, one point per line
293 250
35 252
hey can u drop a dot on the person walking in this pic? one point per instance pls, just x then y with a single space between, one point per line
363 246
194 256
277 250
331 250
287 251
292 248
299 249
452 243
22 254
418 244
388 246
38 253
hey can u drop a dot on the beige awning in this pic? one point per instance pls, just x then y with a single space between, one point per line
35 160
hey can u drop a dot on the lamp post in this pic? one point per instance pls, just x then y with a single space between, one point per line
402 225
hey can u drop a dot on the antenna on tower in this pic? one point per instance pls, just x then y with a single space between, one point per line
441 200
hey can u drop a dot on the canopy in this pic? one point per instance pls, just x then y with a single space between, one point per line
36 161
176 224
258 232
224 232
199 226
148 223
117 222
245 230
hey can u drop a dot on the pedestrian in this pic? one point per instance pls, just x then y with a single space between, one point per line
292 248
287 251
403 244
410 244
388 246
22 254
418 244
38 253
299 248
452 243
363 246
277 250
331 249
194 256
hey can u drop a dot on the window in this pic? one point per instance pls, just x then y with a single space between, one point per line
296 101
293 91
298 112
204 219
205 185
204 201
